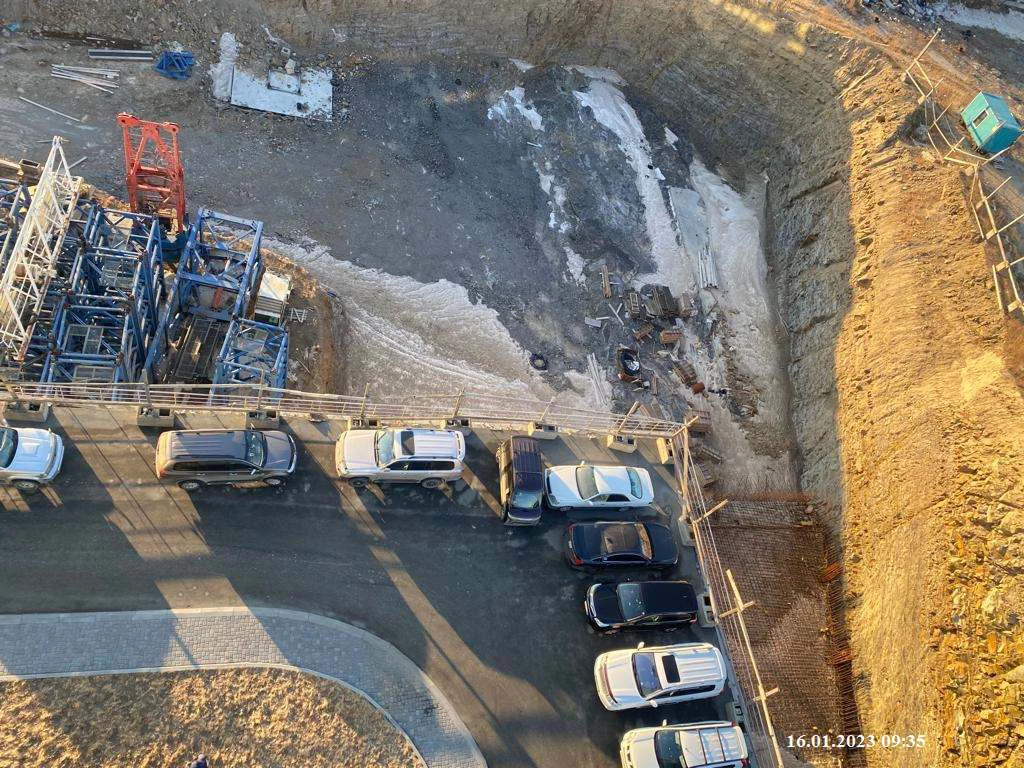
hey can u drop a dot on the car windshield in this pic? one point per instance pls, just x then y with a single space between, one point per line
8 446
635 486
385 446
646 673
526 499
631 601
255 448
585 482
668 749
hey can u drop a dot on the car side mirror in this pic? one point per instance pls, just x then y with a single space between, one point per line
664 723
653 703
641 646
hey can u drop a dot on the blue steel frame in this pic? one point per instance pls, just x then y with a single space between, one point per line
253 353
109 276
14 201
218 272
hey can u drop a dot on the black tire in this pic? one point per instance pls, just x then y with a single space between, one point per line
26 486
433 483
358 482
274 482
191 485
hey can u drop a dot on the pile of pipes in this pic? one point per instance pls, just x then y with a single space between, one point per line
100 79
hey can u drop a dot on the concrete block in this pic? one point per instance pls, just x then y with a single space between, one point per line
620 443
164 418
456 424
541 431
36 413
666 454
705 611
354 422
262 420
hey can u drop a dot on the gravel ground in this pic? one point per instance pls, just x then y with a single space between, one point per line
236 717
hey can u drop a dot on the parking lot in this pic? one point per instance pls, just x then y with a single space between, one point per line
492 614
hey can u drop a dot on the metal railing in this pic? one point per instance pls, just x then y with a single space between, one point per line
34 255
482 409
728 607
994 212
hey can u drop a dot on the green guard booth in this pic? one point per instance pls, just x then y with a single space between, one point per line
990 124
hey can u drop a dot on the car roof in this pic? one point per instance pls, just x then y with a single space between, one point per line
612 479
619 537
688 665
710 744
433 443
668 597
198 444
526 464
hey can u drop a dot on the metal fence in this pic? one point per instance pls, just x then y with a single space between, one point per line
995 204
728 607
479 408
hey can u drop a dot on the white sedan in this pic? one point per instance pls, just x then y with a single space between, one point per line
586 486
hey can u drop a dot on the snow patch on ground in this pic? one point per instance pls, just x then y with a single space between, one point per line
733 231
613 111
575 264
595 396
406 336
515 99
670 138
557 219
598 73
522 66
1009 24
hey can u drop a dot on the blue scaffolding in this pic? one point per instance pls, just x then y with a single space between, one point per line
253 353
104 302
205 333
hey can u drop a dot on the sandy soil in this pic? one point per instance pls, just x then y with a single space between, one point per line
237 718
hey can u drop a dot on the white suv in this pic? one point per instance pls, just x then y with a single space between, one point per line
667 674
29 458
430 457
696 745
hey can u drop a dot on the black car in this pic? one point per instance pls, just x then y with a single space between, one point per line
641 604
521 480
619 544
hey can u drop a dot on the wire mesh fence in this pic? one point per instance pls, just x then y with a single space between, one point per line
995 202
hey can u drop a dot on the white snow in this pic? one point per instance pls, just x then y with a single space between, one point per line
405 336
613 111
522 66
718 215
575 264
1009 24
223 71
515 98
557 219
598 73
670 138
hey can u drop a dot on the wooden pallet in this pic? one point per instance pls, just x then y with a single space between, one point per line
670 336
643 332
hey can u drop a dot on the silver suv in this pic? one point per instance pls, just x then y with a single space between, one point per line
430 457
200 457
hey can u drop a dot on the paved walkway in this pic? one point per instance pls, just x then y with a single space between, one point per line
64 644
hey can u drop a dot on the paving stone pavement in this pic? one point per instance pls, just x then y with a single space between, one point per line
64 644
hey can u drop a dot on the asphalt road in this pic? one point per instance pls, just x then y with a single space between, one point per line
492 614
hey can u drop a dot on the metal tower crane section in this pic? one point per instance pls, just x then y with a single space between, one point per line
221 266
33 259
95 338
253 353
153 173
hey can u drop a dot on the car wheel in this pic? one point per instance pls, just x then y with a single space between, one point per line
274 482
358 482
26 486
191 485
433 482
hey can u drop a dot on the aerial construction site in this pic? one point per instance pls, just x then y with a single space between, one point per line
537 384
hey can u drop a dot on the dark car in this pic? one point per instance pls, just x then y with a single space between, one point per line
618 544
641 604
521 481
201 457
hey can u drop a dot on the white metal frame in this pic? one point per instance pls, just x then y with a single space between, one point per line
31 264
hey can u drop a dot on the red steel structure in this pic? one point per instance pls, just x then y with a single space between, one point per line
153 172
